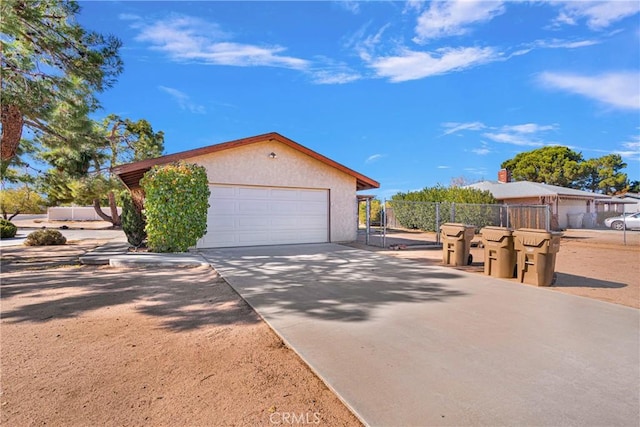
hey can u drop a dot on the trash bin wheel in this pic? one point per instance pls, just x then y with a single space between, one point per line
470 260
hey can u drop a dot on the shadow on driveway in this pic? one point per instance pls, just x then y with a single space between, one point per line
322 282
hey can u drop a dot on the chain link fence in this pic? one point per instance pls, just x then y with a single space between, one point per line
429 216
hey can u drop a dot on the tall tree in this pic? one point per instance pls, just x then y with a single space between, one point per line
81 173
47 59
602 174
554 165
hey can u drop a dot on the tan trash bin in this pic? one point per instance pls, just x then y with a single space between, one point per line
499 254
536 255
456 243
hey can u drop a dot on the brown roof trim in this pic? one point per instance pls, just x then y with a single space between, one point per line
131 173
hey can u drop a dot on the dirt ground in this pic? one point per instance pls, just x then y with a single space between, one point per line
597 264
85 345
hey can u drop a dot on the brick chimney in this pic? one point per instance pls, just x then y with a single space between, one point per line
504 176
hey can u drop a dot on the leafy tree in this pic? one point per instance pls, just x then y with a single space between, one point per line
557 165
554 165
81 173
177 199
15 201
18 170
51 66
602 175
634 186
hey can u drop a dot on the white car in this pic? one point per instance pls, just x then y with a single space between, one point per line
618 222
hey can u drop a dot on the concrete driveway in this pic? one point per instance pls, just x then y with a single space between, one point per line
409 344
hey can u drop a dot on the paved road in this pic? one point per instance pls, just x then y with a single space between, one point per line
410 344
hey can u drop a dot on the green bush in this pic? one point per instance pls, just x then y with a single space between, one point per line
133 222
45 238
422 209
7 229
176 203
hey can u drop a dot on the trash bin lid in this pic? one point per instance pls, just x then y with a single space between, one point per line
454 228
495 234
533 236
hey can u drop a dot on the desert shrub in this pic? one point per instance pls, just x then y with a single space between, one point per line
7 229
133 222
176 204
45 238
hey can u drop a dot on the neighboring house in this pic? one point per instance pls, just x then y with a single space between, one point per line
268 190
569 208
632 203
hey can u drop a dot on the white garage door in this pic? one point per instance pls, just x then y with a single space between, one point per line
253 216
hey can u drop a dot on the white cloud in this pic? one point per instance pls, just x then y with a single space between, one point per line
512 138
453 18
328 71
129 17
528 128
373 158
350 5
483 150
565 44
365 46
618 89
444 167
183 100
527 134
326 77
598 14
188 39
454 127
476 171
631 149
413 65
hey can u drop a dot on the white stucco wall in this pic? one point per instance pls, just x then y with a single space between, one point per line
251 165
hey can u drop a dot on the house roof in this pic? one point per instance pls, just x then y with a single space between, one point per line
628 195
132 173
526 189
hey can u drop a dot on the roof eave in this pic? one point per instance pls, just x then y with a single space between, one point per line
131 173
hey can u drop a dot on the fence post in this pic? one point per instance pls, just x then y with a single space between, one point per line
453 212
368 221
438 223
508 218
384 223
547 218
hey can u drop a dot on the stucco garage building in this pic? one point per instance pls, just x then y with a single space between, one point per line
268 190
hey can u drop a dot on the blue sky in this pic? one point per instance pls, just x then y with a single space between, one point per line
411 94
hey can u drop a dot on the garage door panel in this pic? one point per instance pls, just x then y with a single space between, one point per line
311 207
319 196
283 195
252 193
252 207
283 207
223 192
252 223
250 216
